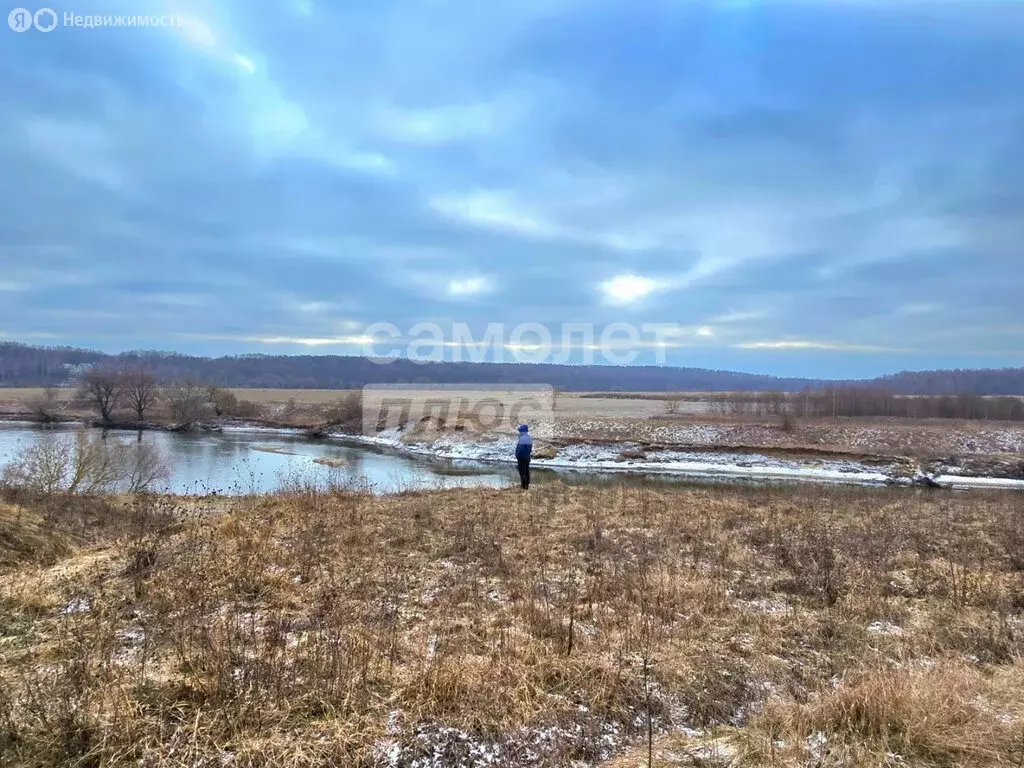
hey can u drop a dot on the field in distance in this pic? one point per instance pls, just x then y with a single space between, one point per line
570 404
310 396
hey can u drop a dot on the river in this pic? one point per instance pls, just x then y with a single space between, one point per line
240 461
237 462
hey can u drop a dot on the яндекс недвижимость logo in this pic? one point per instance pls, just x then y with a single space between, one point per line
22 19
47 20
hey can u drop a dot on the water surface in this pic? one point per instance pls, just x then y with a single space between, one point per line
244 462
239 462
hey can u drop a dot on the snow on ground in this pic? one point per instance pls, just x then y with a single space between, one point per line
253 429
701 464
606 458
892 438
687 463
959 482
884 628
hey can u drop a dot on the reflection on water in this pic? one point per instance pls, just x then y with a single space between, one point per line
254 462
244 462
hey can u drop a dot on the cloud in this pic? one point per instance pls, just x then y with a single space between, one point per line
196 32
740 317
625 289
491 210
915 309
829 180
441 124
83 149
831 346
470 286
247 64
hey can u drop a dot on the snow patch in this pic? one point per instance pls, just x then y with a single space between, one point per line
609 458
884 628
963 482
78 605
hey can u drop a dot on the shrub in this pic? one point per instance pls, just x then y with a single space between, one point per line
46 408
247 409
225 402
86 463
346 412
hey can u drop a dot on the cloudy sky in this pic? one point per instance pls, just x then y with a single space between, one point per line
821 187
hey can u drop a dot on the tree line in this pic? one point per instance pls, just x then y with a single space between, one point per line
28 366
22 365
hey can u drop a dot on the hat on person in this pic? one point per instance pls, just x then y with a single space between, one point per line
523 428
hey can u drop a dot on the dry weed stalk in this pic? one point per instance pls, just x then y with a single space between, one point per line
774 626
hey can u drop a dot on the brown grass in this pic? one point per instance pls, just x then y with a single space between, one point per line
300 396
27 394
728 626
308 396
25 537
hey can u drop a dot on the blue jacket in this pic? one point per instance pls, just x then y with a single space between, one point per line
524 448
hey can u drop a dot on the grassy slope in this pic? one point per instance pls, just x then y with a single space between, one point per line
755 627
26 537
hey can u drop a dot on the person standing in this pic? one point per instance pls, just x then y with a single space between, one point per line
524 452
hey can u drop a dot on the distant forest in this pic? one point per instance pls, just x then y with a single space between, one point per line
22 365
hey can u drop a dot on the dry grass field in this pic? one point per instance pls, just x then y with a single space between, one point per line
560 627
300 396
23 395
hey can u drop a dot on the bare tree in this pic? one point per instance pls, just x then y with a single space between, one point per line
188 400
102 389
140 390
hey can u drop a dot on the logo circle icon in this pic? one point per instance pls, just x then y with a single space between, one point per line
20 19
45 19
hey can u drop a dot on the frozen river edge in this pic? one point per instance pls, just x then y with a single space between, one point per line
633 458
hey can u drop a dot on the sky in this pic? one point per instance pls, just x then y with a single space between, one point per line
797 187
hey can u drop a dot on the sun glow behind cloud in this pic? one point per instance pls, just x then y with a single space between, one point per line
508 165
626 289
470 286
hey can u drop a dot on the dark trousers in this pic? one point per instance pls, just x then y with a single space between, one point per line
524 471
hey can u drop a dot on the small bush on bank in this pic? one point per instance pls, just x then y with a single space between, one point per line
346 412
84 463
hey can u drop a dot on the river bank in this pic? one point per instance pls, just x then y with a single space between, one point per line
685 450
731 462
